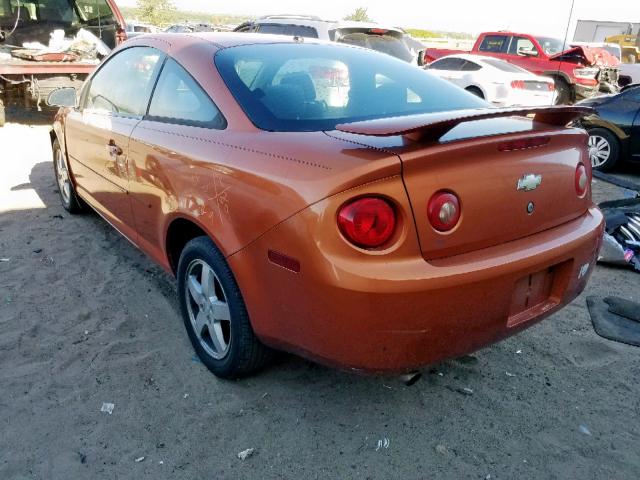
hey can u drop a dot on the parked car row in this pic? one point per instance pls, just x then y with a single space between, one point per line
578 72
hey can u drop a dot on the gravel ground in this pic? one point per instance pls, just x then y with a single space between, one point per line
86 319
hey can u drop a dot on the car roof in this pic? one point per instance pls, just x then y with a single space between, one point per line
310 20
218 40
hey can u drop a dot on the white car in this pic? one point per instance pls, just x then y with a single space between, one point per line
495 80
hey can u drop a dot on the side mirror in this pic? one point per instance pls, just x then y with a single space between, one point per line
527 52
63 97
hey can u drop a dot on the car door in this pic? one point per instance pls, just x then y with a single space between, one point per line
97 134
635 129
172 155
526 54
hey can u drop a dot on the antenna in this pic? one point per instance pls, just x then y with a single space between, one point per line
566 34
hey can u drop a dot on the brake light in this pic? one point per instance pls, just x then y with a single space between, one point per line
367 222
443 211
518 84
378 31
581 180
523 144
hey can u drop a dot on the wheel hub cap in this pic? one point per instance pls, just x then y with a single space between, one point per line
599 150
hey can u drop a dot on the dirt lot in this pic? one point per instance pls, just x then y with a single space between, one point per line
85 319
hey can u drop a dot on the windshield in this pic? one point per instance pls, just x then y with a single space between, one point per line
313 87
385 41
551 46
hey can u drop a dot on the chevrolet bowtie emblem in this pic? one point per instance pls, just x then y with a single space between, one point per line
529 182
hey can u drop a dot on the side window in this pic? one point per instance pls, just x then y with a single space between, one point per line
494 44
179 99
523 47
470 67
448 64
444 64
123 85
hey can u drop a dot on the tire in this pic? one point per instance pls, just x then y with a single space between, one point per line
604 149
214 313
68 197
476 91
631 58
565 94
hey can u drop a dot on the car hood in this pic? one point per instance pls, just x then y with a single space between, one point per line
598 57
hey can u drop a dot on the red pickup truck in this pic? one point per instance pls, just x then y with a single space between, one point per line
579 72
28 72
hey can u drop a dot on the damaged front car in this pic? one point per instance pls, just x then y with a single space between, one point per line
48 44
595 70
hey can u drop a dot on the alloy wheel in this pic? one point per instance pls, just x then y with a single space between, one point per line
62 175
599 150
208 309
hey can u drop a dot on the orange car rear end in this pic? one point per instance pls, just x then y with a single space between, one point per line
376 219
522 244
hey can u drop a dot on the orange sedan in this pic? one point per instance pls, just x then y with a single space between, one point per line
329 200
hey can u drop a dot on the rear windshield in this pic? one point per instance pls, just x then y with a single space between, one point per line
504 66
313 87
388 41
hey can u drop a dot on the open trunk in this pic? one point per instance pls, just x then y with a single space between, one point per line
515 176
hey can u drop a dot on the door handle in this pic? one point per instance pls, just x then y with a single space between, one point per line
113 149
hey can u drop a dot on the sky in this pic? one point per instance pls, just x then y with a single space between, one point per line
544 17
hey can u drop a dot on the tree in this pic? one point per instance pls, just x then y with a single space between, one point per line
155 12
359 15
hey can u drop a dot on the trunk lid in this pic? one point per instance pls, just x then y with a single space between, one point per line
482 162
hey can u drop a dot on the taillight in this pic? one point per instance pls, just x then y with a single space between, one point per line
367 222
551 87
443 211
518 84
582 180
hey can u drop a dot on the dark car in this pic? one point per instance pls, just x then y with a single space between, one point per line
614 131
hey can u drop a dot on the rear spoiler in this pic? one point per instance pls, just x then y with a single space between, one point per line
432 126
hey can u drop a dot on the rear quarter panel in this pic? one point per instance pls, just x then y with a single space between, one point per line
238 185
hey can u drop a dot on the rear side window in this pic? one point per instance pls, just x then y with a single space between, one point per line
123 85
471 66
494 44
311 87
179 99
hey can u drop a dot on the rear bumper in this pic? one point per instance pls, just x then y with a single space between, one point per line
402 315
